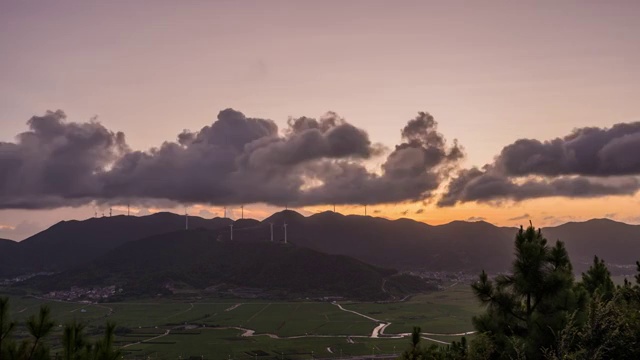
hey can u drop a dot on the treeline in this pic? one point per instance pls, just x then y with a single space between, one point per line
76 344
541 312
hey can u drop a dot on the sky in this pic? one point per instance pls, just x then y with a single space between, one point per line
334 102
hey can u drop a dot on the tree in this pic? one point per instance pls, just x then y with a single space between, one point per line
76 345
6 325
597 280
414 352
39 328
524 310
73 341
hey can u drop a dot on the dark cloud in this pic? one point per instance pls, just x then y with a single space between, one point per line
521 217
56 163
587 151
235 160
590 162
419 211
487 186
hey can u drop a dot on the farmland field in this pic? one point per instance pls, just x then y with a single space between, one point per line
248 329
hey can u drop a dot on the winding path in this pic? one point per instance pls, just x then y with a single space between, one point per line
181 312
378 331
147 340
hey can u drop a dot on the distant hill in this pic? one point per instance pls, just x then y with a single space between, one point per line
7 248
613 241
401 244
194 259
71 243
6 243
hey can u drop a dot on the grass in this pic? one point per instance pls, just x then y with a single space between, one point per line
442 312
212 322
225 344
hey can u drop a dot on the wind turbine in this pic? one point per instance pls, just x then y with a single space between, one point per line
285 232
186 219
110 212
271 225
241 211
365 210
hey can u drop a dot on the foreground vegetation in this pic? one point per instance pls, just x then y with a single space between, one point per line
539 311
75 343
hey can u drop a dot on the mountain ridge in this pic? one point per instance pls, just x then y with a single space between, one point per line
399 243
195 259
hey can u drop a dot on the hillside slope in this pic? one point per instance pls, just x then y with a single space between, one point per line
196 260
70 243
401 244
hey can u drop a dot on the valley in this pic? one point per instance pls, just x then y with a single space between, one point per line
236 328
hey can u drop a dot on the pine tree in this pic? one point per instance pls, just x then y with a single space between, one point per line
526 308
597 280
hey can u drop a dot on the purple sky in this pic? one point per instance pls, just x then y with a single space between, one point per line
490 73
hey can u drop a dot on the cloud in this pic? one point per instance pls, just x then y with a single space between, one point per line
206 214
476 218
589 162
235 160
586 151
20 231
56 163
419 211
521 217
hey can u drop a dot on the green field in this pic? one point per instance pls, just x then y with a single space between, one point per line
442 312
214 328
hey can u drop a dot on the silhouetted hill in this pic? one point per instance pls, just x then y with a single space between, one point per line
401 244
194 259
7 248
613 241
70 243
6 243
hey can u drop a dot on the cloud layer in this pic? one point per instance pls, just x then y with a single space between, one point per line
241 160
589 162
235 160
56 163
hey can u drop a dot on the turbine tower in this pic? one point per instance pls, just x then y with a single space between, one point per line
128 210
231 226
241 211
186 219
271 225
285 232
110 212
225 212
365 210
